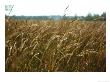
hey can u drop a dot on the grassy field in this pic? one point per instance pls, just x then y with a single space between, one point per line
55 46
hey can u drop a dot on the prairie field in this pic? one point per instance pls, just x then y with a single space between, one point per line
55 46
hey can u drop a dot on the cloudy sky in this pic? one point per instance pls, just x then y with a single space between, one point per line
56 7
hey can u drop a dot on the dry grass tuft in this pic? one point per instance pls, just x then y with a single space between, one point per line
55 46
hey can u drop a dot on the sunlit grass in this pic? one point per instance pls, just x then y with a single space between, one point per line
55 46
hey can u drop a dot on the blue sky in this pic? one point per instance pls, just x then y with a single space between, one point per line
56 7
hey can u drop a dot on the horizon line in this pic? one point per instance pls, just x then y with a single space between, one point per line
60 15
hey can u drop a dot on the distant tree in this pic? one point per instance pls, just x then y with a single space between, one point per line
104 16
89 17
75 17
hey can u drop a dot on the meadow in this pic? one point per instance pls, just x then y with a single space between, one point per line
55 46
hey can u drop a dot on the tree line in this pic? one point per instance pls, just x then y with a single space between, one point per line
88 17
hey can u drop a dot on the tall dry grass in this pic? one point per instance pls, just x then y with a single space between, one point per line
52 46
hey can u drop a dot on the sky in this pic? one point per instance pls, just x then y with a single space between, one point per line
56 7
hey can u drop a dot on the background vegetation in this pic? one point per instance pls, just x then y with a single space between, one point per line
89 17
